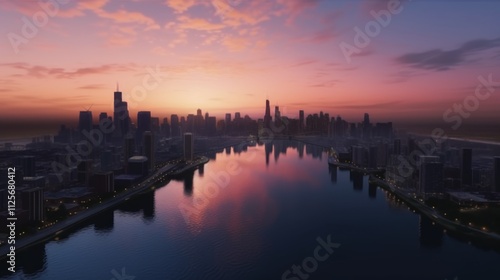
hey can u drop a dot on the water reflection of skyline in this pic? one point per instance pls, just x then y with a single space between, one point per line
248 211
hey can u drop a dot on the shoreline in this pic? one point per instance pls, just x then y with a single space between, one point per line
70 222
436 216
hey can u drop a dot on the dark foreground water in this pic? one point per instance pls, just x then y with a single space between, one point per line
270 212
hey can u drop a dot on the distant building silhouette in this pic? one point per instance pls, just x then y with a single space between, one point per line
121 116
267 116
149 149
301 121
143 125
430 175
33 201
85 121
175 126
466 167
188 146
165 128
104 182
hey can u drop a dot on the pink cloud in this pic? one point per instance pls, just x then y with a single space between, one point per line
198 24
180 6
38 71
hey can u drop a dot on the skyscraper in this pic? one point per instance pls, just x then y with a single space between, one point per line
277 117
143 124
103 115
496 174
120 112
104 182
267 116
466 167
228 122
149 149
33 201
188 146
366 127
85 121
301 120
175 126
129 148
84 169
165 128
430 175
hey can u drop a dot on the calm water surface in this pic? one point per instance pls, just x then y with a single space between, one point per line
254 215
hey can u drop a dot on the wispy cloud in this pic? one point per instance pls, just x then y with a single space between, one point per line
93 86
38 71
441 60
180 6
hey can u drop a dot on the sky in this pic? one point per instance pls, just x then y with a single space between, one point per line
399 60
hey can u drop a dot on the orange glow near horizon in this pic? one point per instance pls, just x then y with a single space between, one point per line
227 59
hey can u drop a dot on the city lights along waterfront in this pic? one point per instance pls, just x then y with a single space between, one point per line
60 227
262 220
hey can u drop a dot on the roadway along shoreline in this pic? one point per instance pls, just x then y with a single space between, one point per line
437 217
58 228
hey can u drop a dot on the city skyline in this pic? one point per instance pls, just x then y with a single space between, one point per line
230 56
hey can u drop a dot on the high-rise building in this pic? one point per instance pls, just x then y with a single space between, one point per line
129 148
102 116
430 175
85 121
117 97
85 172
190 121
155 125
301 120
175 126
267 116
277 117
496 174
211 126
104 182
366 126
106 160
188 146
466 167
165 128
237 116
120 112
143 124
149 149
33 201
228 122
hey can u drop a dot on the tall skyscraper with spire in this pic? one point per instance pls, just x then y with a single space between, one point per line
121 116
267 116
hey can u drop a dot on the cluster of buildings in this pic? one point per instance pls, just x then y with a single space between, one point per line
99 159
